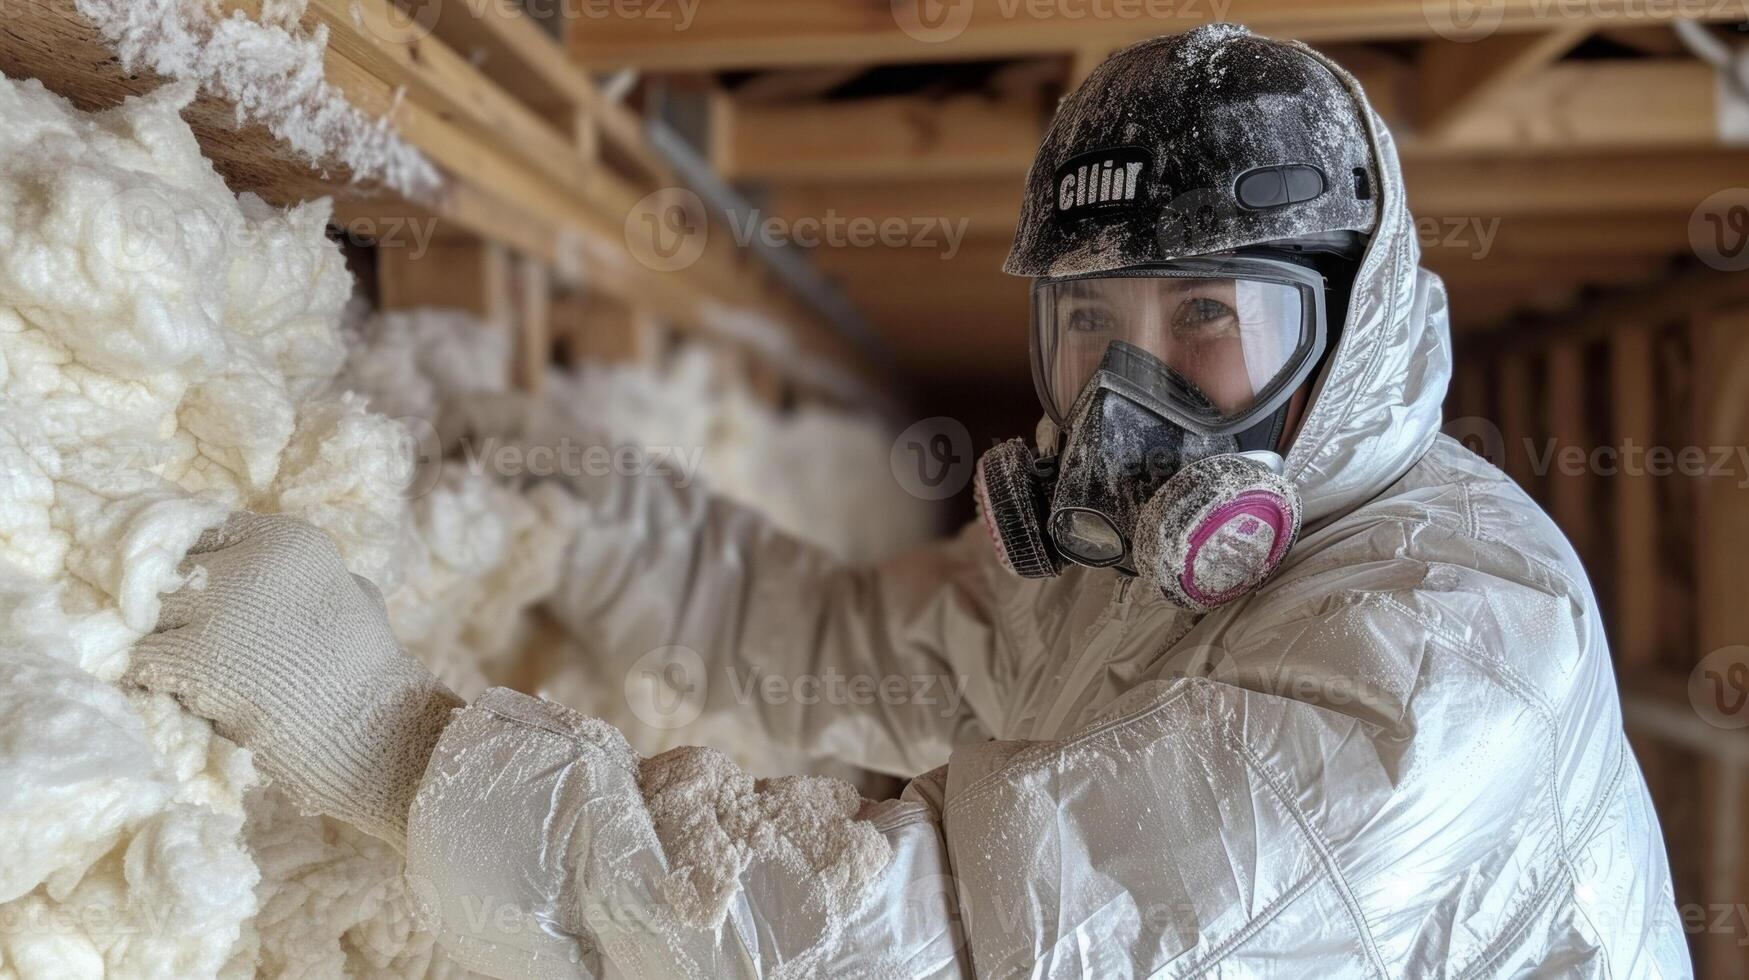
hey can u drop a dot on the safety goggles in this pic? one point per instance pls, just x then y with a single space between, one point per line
1233 336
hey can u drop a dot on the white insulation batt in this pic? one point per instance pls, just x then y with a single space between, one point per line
271 70
169 352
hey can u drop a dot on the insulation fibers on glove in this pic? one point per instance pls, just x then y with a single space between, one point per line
289 654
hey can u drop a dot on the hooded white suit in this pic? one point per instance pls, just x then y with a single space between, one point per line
1403 757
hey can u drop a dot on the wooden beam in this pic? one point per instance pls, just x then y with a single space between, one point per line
1475 309
895 137
1570 493
731 34
1468 397
1456 78
596 327
510 48
1083 60
1552 270
1587 106
795 85
1532 237
1658 41
388 45
518 56
1513 394
1635 523
474 276
1567 185
533 291
1693 291
1387 79
988 207
1582 107
1721 419
974 257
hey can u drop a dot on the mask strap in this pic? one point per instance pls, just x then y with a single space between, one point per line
1266 435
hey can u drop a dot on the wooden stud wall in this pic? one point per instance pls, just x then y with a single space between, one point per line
1665 553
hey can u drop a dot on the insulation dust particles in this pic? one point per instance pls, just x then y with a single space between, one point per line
271 70
170 352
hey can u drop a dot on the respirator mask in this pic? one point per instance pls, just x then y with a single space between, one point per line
1169 386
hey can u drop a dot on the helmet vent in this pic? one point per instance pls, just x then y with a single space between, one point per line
1273 187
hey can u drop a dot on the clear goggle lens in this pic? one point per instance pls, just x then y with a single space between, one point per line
1231 343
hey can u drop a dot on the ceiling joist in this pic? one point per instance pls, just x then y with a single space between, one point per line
1458 81
1568 108
737 34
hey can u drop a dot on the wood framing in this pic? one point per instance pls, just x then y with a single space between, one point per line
514 177
728 34
1454 79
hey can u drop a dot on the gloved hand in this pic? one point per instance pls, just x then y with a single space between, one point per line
290 655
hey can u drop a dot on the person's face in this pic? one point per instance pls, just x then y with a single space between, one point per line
1191 325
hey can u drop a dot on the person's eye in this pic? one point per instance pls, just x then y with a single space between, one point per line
1201 317
1091 319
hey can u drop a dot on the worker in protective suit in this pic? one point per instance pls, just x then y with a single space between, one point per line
1261 674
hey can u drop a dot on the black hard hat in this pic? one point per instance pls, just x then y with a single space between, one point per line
1203 142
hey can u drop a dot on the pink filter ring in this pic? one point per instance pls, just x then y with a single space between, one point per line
1252 510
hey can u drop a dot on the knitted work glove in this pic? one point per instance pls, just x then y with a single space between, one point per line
290 655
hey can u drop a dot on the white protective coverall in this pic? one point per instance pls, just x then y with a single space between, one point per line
1403 757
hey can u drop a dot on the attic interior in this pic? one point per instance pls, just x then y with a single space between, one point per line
767 236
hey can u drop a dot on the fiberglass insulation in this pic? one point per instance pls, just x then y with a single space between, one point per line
170 352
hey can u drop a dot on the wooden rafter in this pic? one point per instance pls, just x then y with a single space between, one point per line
1589 107
1577 107
1675 181
967 135
1458 79
726 34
